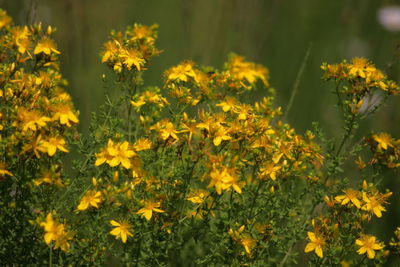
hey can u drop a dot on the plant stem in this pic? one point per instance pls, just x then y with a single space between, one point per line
130 94
285 258
254 200
51 257
363 259
349 129
297 81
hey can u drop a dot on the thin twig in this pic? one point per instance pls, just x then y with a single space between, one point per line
297 81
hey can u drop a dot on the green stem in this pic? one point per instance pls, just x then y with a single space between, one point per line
362 260
350 128
230 206
297 81
340 103
254 200
187 189
130 94
50 257
286 257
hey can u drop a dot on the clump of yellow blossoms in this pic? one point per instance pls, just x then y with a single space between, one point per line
115 154
37 123
189 173
55 231
130 50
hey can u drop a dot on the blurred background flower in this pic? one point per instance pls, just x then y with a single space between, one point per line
389 17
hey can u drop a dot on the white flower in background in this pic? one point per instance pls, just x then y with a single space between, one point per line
389 17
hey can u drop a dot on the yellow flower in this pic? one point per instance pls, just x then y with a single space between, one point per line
133 57
368 244
64 114
49 176
4 19
51 229
270 170
117 67
349 196
222 134
335 71
243 239
3 170
91 199
121 155
142 144
149 208
384 140
110 49
115 154
360 163
166 129
248 244
229 104
181 72
374 203
46 46
62 241
52 144
243 111
121 230
360 67
34 146
223 179
198 196
21 38
140 102
316 243
55 231
145 32
32 120
104 155
244 71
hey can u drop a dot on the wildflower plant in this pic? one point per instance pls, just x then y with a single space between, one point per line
190 174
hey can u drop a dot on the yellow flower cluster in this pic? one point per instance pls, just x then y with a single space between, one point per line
37 118
327 229
35 111
360 82
363 76
242 73
151 96
203 162
369 200
190 84
115 154
385 150
130 50
55 231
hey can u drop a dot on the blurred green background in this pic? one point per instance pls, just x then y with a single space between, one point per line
275 33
